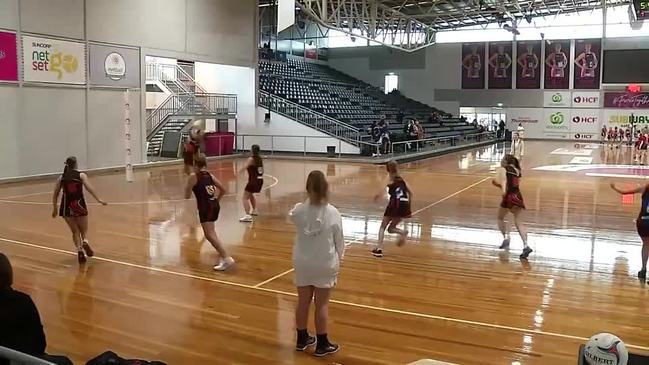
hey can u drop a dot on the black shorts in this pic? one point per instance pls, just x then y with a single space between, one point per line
512 200
642 225
254 186
209 212
75 208
398 209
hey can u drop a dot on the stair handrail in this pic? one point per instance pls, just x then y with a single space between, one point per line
169 107
197 87
341 130
171 72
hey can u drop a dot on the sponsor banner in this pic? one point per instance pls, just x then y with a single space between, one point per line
530 118
53 60
473 65
500 65
8 57
557 65
621 118
585 99
528 65
587 56
556 99
556 123
114 66
585 124
626 100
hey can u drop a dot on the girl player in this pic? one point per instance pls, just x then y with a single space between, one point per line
398 208
641 148
208 191
604 134
255 167
73 205
611 136
508 179
642 223
192 148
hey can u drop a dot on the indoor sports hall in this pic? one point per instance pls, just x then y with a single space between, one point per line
324 182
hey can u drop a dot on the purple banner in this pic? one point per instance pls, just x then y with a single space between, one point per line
8 57
557 65
473 65
500 65
587 56
528 70
626 100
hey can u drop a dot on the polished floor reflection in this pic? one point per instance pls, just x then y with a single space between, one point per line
449 294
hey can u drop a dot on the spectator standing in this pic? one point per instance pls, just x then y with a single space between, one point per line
317 253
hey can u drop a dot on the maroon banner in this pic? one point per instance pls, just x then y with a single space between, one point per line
557 65
473 65
587 56
626 100
500 65
528 70
8 57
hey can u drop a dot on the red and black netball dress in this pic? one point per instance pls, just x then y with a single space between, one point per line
191 149
513 196
73 203
255 178
642 223
205 192
399 205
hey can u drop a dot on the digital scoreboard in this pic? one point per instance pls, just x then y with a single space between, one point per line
641 9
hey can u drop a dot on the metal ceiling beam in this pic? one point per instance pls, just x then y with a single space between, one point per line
372 20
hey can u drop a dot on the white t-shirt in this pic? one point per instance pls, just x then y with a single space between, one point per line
520 130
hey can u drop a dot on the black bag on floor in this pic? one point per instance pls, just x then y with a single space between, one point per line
111 358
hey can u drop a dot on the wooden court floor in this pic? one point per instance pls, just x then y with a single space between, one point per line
449 294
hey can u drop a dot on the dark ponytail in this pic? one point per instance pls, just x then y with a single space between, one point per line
510 160
256 156
70 164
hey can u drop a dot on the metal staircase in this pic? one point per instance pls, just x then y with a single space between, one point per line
310 118
186 102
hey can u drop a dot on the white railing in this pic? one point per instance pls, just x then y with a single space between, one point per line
438 143
175 74
309 117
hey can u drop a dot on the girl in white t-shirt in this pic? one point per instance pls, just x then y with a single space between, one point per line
520 130
518 147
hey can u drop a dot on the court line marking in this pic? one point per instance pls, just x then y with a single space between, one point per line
340 302
26 195
273 278
139 202
450 196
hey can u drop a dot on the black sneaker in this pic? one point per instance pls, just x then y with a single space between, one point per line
88 250
377 252
81 257
526 252
329 348
505 244
301 346
642 274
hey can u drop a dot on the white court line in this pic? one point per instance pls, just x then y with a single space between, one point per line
273 278
340 302
138 202
26 195
597 174
450 196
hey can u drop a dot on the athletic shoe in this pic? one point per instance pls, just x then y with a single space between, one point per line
329 348
81 257
224 264
301 346
642 274
246 219
87 249
526 252
505 244
377 252
254 213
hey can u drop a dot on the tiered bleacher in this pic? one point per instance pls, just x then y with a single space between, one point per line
342 97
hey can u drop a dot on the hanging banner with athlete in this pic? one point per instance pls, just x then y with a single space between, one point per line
557 65
500 65
53 60
8 57
528 69
473 65
587 56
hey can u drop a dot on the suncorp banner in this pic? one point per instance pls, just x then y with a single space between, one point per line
585 99
585 124
556 123
53 60
556 99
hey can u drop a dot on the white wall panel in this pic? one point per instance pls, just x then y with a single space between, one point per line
9 14
8 131
60 17
117 21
